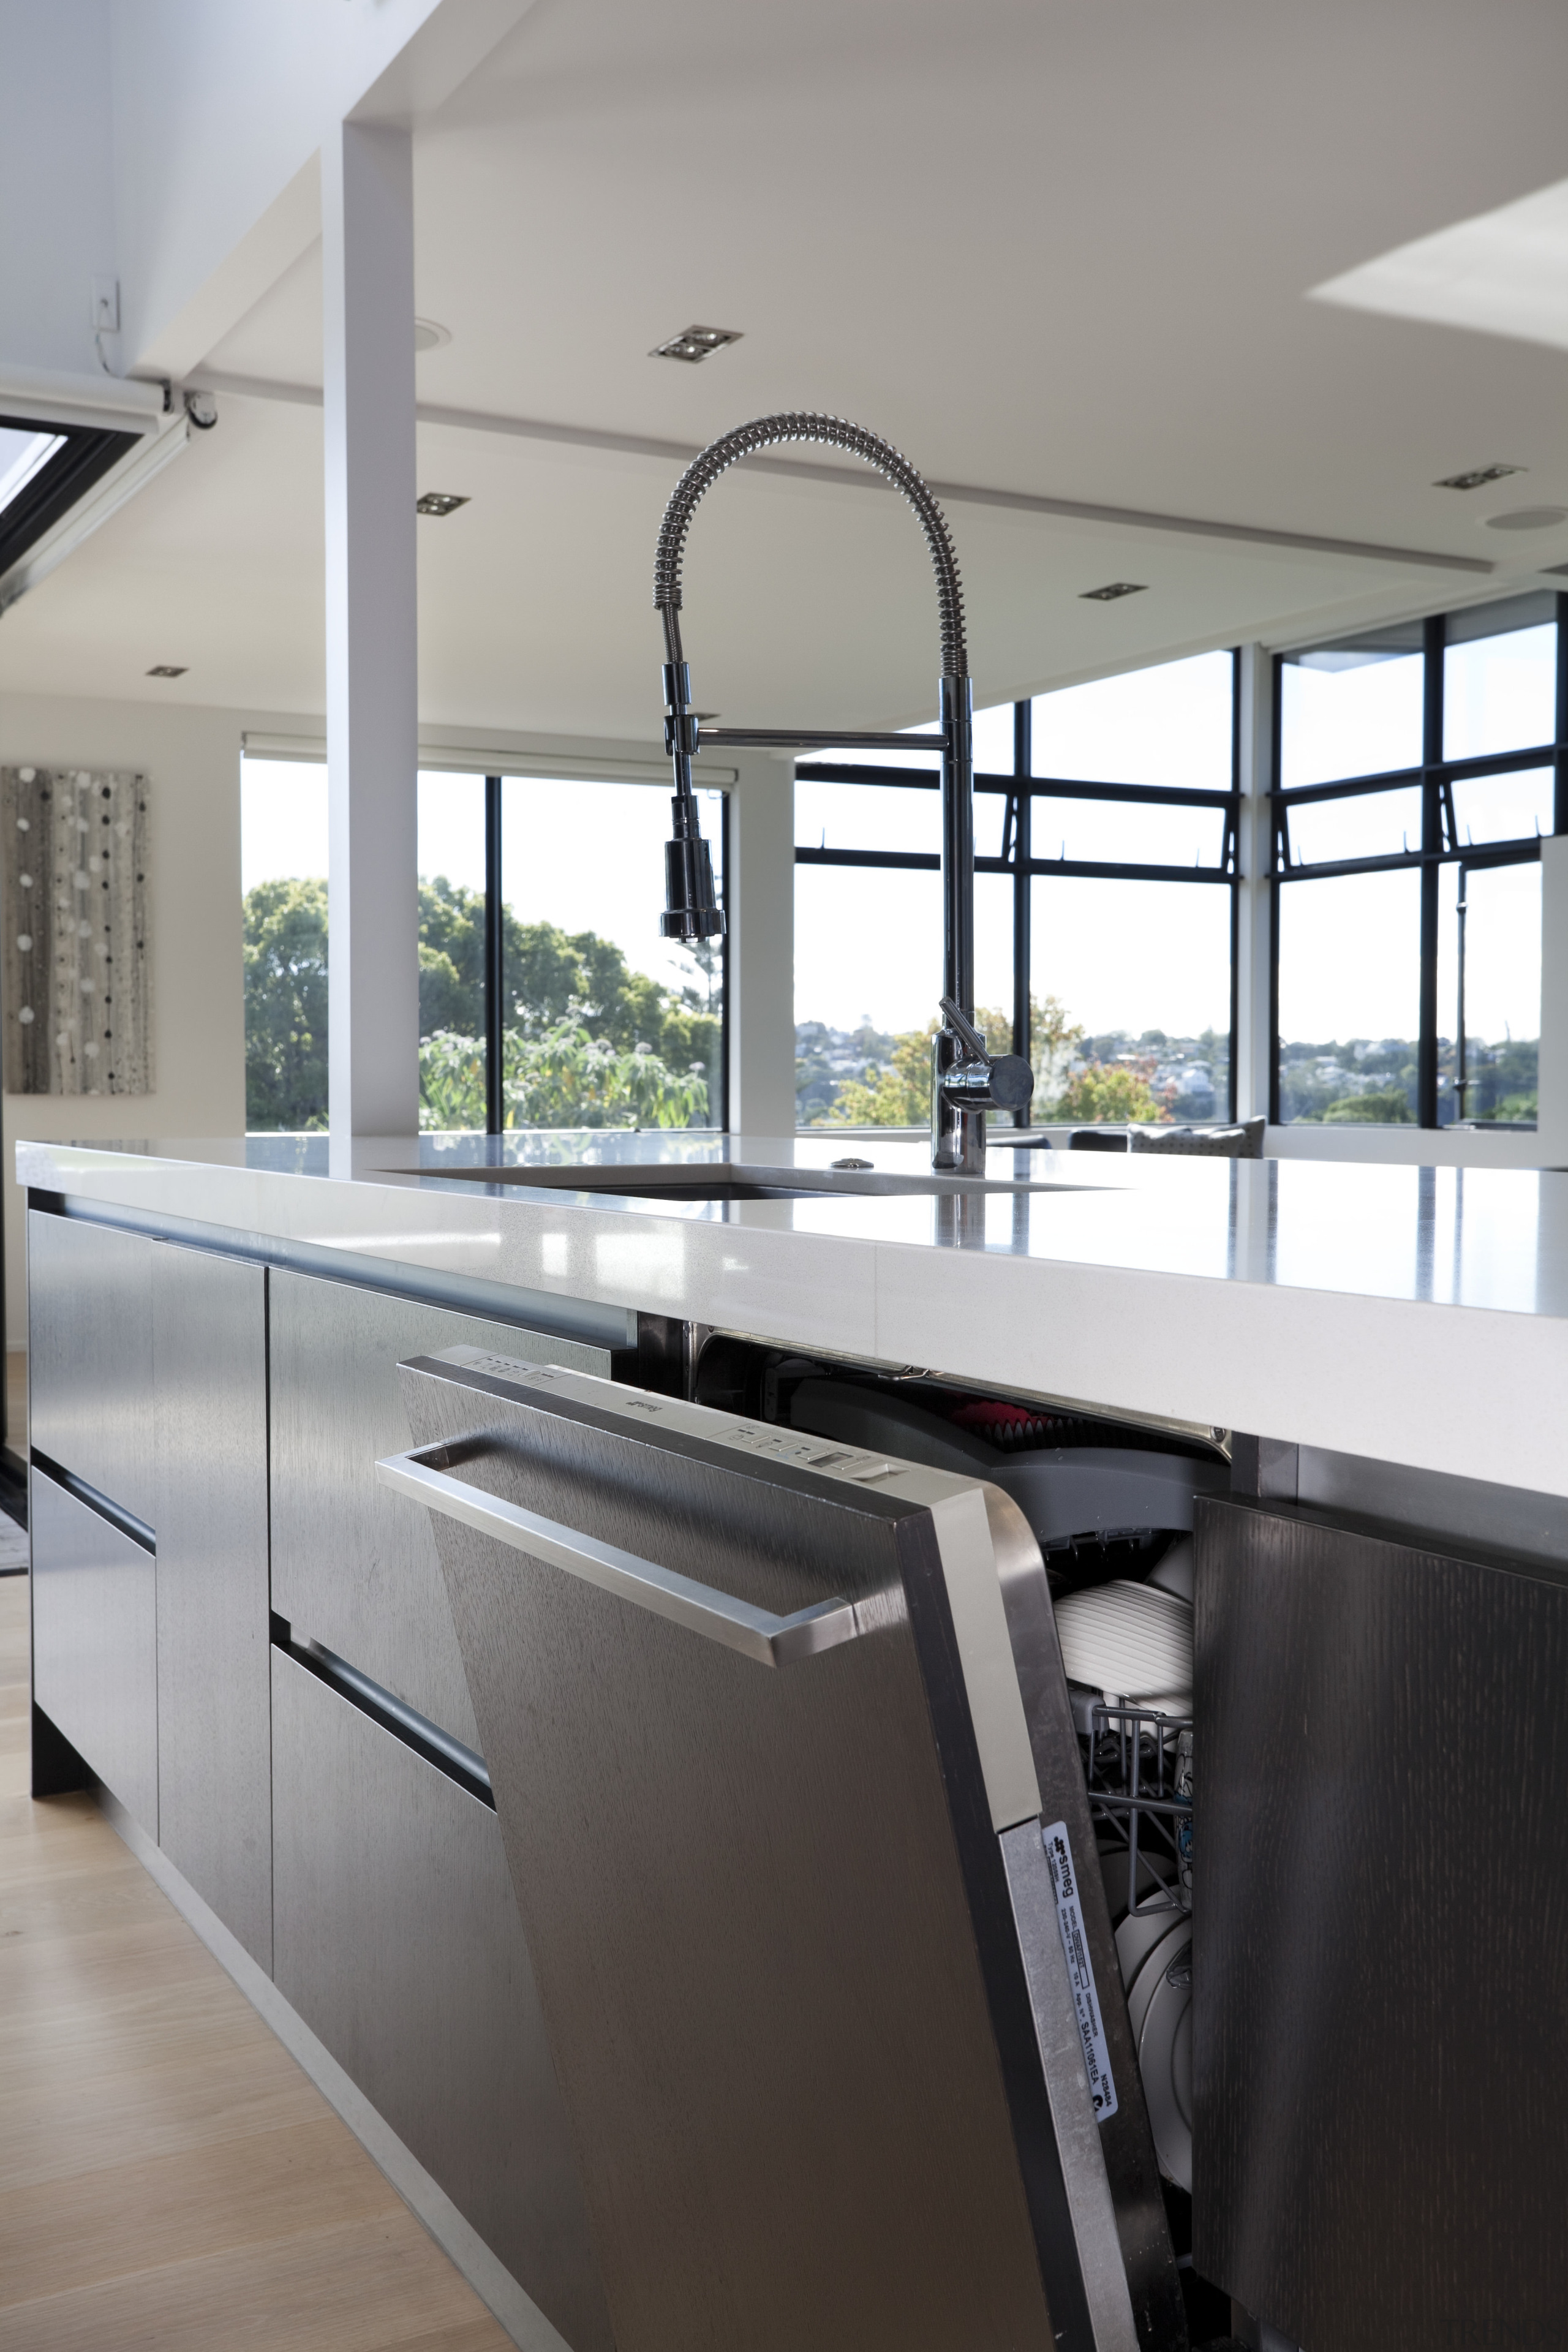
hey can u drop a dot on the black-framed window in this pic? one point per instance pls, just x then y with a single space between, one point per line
1105 825
1416 768
43 470
547 997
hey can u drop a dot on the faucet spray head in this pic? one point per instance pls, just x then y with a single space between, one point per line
691 907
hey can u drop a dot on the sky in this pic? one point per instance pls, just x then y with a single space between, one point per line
1118 955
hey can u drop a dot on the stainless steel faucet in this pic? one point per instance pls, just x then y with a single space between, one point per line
966 1081
969 1076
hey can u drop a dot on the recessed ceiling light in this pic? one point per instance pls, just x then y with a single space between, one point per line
440 502
1479 480
695 343
428 334
169 669
1527 519
1113 590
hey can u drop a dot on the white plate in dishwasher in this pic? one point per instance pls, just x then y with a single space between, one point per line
1159 2009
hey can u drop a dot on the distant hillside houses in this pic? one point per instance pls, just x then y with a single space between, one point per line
1190 1077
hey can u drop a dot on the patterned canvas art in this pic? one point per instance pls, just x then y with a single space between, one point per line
78 1016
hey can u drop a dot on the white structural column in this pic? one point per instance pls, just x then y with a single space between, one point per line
1551 1116
760 896
367 236
1251 1045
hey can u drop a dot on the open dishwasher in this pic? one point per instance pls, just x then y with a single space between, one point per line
795 1806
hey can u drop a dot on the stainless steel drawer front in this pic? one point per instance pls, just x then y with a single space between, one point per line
89 1355
399 1944
95 1661
214 1713
352 1568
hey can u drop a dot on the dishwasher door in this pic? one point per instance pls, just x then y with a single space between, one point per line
763 1775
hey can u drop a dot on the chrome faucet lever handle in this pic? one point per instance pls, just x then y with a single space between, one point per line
966 1081
965 1029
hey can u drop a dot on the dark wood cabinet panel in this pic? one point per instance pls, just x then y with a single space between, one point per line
1380 1962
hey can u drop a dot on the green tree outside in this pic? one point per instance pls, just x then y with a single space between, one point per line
1108 1094
1388 1107
589 1043
286 1006
899 1094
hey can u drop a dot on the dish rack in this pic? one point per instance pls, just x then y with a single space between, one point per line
1137 1766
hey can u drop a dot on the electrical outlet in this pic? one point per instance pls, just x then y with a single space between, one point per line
106 306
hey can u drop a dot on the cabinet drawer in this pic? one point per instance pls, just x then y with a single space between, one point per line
398 1942
95 1657
352 1567
89 1355
214 1710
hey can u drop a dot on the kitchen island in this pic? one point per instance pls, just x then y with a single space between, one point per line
1414 1316
1343 1380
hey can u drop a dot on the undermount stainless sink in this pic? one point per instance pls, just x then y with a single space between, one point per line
720 1180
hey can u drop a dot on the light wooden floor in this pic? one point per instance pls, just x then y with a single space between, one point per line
169 2177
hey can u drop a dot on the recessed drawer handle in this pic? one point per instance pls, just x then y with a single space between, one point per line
756 1633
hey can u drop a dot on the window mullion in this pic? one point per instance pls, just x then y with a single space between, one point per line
1433 640
1022 884
494 982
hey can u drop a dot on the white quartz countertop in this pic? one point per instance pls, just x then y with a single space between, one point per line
1415 1315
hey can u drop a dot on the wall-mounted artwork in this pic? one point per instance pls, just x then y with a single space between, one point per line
76 996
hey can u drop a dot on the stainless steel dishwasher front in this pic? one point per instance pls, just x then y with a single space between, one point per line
782 1847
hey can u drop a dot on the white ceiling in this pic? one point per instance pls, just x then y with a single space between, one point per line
1060 248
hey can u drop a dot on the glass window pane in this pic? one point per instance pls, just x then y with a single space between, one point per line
1131 986
607 1024
1500 690
993 739
452 1060
1171 725
1363 824
990 823
993 959
1503 808
283 878
868 973
1352 709
1348 998
865 816
1131 833
1501 1012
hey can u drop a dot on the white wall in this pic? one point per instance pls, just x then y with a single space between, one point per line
191 758
219 109
762 946
57 184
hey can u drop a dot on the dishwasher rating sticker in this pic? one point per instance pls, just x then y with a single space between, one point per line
1081 1969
